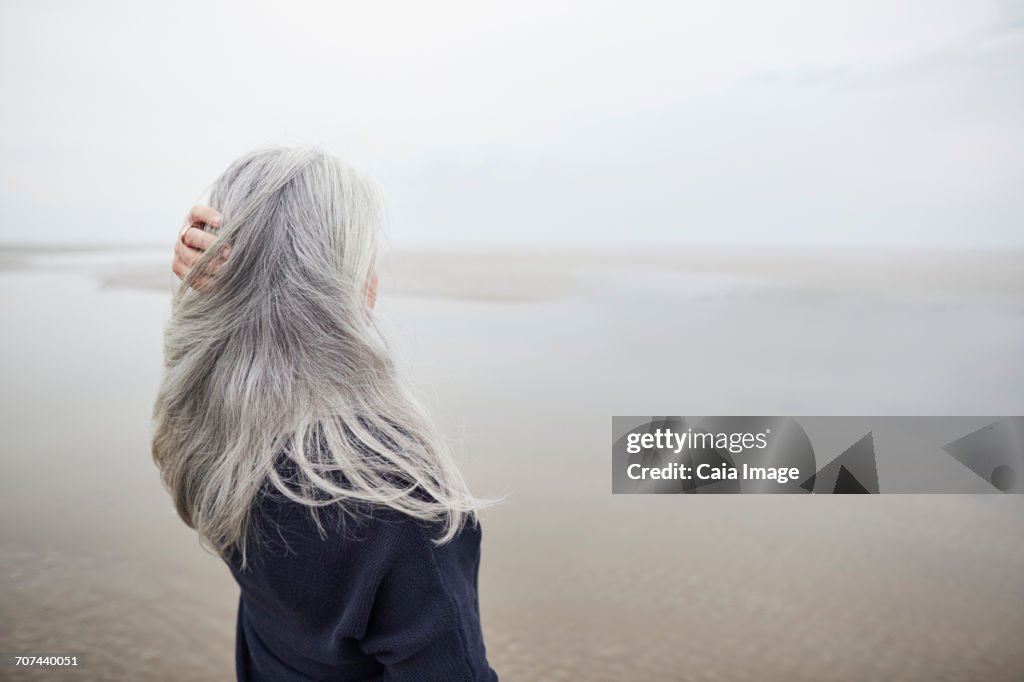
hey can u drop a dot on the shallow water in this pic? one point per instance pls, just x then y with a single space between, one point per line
575 583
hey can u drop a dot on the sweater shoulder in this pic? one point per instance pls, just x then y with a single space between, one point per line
281 528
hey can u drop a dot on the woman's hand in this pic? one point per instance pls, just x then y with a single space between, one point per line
193 241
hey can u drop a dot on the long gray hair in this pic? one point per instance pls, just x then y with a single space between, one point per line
279 360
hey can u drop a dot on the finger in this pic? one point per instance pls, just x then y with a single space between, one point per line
183 269
199 214
202 283
199 282
224 254
185 256
195 238
189 257
184 260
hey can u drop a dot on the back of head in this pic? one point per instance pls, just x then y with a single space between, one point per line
279 360
298 217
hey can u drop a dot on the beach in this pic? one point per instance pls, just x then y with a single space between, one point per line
524 357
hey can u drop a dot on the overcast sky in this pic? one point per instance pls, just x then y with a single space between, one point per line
875 122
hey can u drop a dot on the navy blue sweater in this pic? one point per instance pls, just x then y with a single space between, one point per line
373 599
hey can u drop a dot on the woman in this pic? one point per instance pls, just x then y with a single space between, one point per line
289 443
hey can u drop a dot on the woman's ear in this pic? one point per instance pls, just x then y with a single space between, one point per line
371 288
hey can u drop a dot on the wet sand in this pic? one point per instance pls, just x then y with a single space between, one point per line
524 358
